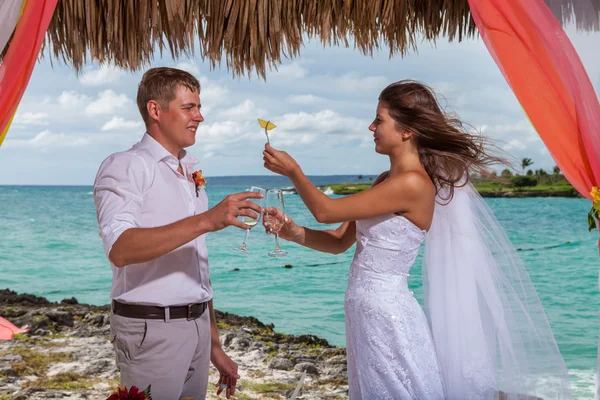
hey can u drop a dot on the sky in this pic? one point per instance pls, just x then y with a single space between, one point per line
322 103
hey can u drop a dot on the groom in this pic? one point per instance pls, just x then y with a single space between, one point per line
153 217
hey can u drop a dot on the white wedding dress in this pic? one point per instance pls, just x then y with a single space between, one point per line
483 332
390 349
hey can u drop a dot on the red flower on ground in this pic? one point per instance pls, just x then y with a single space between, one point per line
132 393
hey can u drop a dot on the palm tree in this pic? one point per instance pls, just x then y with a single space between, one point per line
506 174
526 162
555 174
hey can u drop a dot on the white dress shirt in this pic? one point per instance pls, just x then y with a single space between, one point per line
141 188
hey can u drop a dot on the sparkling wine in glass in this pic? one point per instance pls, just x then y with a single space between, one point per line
249 221
274 218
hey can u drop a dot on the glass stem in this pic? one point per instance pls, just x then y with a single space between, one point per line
276 241
246 237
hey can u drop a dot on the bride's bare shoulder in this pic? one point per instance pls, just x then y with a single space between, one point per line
414 181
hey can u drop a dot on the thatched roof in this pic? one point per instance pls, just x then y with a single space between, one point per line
256 34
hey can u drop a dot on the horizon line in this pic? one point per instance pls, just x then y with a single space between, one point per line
208 177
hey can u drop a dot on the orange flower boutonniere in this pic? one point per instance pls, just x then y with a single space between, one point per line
199 180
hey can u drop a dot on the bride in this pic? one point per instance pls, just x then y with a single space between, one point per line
483 333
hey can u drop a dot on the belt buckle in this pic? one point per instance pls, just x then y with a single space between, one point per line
189 312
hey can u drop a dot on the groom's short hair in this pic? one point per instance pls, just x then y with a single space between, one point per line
160 84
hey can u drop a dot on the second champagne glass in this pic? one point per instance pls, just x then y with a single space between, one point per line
251 222
274 218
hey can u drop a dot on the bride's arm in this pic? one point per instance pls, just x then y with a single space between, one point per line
327 241
394 195
333 241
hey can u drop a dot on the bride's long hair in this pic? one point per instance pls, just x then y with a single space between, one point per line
447 151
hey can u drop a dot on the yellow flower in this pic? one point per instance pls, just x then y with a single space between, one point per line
595 196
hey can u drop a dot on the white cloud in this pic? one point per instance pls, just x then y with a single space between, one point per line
47 139
245 109
521 126
29 118
211 95
221 132
189 67
108 102
353 82
101 76
210 138
326 121
304 99
514 144
289 72
71 99
118 123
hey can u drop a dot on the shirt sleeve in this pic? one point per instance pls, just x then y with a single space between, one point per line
118 195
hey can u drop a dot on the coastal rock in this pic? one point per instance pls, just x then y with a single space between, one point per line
303 358
72 300
311 340
282 364
8 297
240 343
74 356
310 368
337 371
26 394
339 359
96 320
98 367
249 331
61 318
226 339
6 369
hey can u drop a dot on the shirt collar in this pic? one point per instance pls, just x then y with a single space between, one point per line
159 153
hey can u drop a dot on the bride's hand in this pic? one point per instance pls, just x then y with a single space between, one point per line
289 231
279 161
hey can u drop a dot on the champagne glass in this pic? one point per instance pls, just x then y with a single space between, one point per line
249 221
274 218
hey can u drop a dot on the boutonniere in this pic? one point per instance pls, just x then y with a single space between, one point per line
198 180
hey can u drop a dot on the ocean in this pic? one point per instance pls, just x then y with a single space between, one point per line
49 246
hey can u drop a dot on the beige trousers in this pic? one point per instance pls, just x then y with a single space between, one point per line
171 356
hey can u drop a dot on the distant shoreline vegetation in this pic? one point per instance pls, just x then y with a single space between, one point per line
530 183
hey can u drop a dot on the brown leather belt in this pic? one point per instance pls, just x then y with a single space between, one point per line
191 311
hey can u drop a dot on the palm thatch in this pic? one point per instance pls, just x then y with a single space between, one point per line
256 34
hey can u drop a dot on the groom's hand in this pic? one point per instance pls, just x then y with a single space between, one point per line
226 213
228 371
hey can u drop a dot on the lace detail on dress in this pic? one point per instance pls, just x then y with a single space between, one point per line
390 350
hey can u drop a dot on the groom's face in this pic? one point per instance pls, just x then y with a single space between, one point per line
385 132
180 120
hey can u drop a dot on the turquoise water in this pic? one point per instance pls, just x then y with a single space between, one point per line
50 247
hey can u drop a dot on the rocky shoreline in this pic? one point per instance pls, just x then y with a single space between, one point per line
347 189
67 354
530 193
